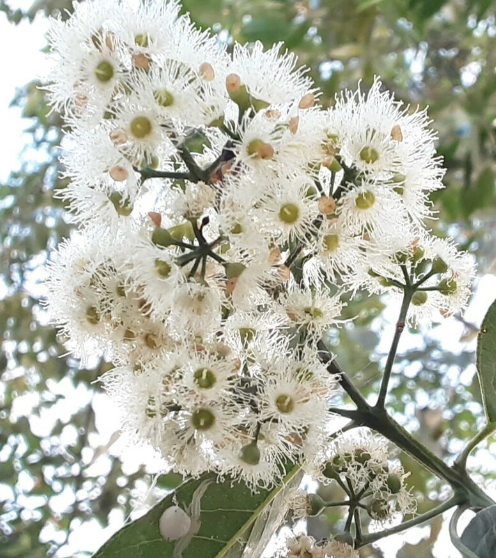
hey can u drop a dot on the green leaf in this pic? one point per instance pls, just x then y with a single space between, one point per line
486 362
480 534
229 512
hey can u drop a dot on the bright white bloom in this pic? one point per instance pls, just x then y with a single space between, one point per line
222 215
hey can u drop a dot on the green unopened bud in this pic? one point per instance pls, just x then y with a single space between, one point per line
92 315
331 471
204 378
184 230
419 298
447 287
289 213
163 97
216 122
162 237
142 40
400 257
365 200
418 254
346 538
141 126
439 265
394 483
104 72
203 419
123 207
331 242
335 166
369 155
247 334
250 454
315 504
258 104
378 509
163 268
284 404
385 282
234 270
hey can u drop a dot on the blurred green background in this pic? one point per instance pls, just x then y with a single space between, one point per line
429 52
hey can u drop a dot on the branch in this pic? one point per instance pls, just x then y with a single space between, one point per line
333 368
461 460
400 326
438 510
151 173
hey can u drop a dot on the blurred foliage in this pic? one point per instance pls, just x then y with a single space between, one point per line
440 53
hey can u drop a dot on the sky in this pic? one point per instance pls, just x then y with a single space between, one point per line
25 62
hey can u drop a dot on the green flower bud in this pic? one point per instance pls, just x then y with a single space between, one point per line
335 166
162 237
123 207
394 483
234 270
418 254
184 230
385 282
346 538
439 265
250 454
315 504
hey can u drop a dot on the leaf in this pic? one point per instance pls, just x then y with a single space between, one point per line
486 362
228 512
480 534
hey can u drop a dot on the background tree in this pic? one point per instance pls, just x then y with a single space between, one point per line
439 54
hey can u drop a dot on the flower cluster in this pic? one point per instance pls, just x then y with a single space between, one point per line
307 547
222 213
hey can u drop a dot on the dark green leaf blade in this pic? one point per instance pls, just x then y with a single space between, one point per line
228 512
486 362
480 534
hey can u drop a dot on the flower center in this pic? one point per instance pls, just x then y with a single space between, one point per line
365 200
104 72
203 419
162 268
284 404
163 97
204 378
369 154
289 213
141 127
